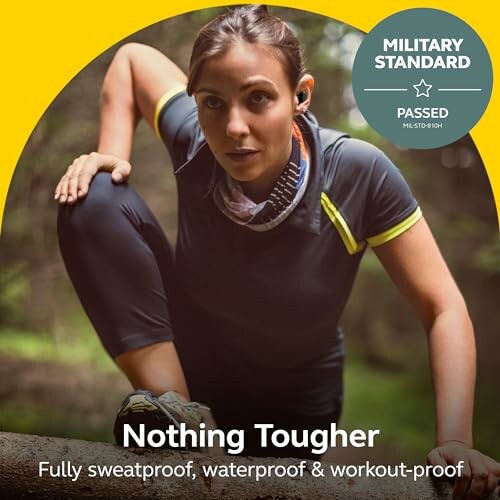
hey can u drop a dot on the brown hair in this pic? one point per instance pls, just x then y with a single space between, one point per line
251 24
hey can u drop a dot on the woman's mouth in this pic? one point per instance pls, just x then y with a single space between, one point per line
242 155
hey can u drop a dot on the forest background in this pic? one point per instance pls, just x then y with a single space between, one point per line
55 378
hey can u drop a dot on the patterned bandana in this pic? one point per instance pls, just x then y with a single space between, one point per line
284 197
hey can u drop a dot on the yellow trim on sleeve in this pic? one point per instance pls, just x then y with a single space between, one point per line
391 233
339 222
169 94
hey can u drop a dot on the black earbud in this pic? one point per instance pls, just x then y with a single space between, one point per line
302 96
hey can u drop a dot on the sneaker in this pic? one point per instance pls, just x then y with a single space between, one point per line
143 407
179 410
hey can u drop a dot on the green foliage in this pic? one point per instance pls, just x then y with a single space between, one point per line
370 264
487 257
82 347
29 417
399 404
13 287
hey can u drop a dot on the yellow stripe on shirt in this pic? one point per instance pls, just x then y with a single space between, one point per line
341 225
391 233
167 96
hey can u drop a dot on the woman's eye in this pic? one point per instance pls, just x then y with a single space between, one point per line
259 98
213 102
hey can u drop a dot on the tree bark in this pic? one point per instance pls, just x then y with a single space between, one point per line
20 456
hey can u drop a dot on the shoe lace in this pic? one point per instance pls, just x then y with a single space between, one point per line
184 409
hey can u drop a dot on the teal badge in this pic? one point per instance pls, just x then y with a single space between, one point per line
422 78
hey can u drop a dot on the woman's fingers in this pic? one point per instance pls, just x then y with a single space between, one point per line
479 480
75 183
84 181
64 184
57 191
84 171
434 458
62 189
479 474
494 474
462 482
121 171
74 175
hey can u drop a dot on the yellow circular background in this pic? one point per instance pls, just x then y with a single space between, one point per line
45 44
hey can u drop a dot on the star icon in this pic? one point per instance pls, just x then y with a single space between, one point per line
422 88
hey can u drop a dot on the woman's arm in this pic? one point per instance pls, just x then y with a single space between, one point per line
135 81
416 266
137 78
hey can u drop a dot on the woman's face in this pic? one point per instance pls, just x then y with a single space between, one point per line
246 109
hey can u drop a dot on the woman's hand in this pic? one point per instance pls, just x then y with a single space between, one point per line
135 81
74 184
478 477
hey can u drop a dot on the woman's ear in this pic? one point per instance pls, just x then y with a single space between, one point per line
303 94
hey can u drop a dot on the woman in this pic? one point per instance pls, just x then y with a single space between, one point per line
274 214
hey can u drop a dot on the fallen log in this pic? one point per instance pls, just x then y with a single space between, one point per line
22 476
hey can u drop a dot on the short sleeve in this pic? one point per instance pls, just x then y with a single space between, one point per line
176 123
367 198
391 209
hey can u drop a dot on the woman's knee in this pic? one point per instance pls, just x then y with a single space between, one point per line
101 205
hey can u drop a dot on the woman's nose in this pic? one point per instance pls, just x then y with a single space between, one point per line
236 126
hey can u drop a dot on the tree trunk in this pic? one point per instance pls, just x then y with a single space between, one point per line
20 457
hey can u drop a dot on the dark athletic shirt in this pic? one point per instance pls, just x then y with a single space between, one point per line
272 300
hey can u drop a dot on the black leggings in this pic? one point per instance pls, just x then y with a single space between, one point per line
122 268
120 263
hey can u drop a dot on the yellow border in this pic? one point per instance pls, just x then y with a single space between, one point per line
340 223
45 44
162 101
391 233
